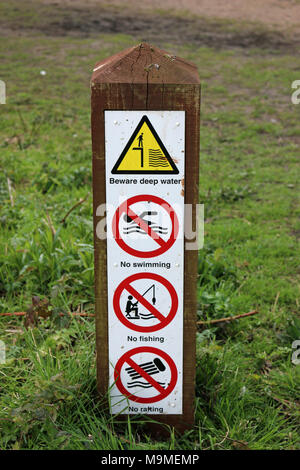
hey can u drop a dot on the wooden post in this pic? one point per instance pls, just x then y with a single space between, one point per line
149 85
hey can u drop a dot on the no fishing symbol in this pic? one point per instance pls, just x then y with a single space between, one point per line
134 309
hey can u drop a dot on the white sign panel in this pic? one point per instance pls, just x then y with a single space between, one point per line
144 157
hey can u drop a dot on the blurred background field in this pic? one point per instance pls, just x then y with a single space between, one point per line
247 386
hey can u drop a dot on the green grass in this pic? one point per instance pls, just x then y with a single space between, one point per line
247 393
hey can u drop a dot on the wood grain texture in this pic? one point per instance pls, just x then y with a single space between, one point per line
146 78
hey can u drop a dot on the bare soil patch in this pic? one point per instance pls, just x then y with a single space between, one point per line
89 18
281 14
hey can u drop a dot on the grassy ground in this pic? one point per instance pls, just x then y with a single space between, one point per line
247 387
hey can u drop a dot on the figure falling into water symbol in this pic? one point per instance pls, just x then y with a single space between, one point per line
145 153
140 147
140 139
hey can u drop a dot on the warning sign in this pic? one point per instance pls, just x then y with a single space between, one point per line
131 224
145 153
135 370
145 259
145 302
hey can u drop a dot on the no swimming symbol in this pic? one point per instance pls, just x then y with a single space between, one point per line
154 237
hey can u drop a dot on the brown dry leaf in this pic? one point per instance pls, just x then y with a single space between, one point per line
240 445
266 368
12 140
39 308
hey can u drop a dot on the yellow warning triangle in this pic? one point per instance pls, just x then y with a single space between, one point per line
145 153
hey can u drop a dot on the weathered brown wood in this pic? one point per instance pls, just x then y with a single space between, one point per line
146 78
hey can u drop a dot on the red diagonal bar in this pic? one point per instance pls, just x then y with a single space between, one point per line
144 226
144 302
144 374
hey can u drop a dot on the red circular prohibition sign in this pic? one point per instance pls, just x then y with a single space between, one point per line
163 245
126 285
162 392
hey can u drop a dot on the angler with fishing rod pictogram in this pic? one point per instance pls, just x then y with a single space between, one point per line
132 307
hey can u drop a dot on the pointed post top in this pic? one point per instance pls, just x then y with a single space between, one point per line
145 64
